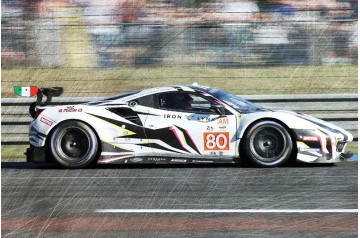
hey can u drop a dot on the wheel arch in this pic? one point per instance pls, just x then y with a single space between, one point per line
251 124
48 137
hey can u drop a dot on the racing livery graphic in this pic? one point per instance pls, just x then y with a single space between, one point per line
177 124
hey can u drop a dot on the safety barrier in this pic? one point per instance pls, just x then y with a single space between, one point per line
339 109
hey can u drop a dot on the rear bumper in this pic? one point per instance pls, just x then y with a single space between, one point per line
36 154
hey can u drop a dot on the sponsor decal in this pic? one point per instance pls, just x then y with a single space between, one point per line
202 118
309 138
209 128
46 121
133 103
216 141
223 122
179 160
156 159
202 161
172 116
136 160
71 109
309 150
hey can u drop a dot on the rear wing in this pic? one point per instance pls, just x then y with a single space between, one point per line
39 92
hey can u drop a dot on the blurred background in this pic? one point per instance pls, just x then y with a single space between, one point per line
217 33
96 48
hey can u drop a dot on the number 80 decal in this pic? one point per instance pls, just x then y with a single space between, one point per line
216 141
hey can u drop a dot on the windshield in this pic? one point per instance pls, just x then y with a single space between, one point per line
236 102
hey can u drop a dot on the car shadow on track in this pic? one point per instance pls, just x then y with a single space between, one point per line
55 166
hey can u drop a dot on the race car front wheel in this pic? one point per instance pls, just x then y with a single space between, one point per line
268 144
73 144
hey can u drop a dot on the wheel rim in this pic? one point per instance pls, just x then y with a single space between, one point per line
268 144
73 144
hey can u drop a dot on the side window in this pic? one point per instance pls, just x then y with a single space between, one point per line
200 104
184 102
146 101
177 101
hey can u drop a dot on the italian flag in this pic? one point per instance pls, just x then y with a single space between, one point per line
25 91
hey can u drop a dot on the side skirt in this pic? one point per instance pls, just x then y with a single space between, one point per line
167 160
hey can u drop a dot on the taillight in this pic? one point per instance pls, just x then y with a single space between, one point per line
37 113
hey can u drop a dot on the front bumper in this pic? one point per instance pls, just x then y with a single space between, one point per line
318 155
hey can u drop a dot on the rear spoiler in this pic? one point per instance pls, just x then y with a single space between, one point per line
39 92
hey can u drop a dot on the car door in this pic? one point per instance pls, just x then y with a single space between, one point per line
131 134
182 124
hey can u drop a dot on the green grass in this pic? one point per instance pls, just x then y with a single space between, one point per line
352 147
13 152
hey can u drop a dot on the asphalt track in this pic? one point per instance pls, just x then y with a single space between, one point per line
297 201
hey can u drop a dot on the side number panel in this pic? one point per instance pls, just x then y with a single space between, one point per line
216 141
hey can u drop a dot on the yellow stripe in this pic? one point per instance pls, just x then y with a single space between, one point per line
183 137
302 144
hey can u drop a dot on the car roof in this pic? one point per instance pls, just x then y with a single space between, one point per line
150 91
128 96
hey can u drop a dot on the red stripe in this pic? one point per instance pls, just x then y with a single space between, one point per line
181 223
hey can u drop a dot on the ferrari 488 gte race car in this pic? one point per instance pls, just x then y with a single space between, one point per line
178 124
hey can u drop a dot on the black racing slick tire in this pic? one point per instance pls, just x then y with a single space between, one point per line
73 144
268 144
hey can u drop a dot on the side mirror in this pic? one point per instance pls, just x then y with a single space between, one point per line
218 108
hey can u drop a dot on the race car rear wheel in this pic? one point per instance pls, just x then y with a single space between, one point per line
268 144
73 144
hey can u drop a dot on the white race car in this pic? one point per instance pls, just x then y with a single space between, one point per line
178 124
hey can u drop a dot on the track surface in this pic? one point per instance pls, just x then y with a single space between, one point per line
48 201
